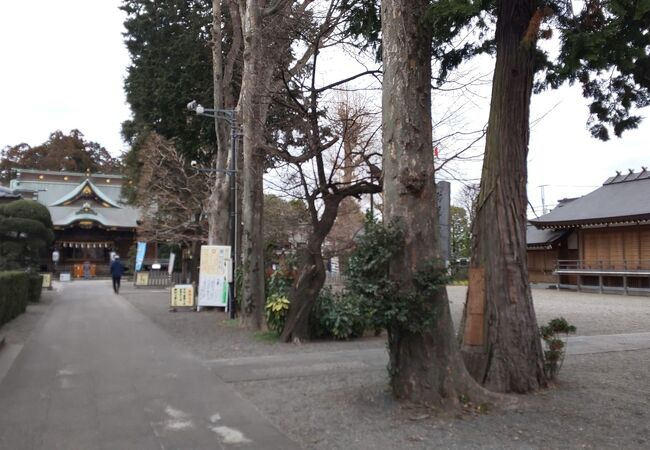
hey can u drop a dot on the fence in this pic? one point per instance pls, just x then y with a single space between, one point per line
626 276
157 278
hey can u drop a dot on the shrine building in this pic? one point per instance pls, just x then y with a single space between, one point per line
90 220
598 242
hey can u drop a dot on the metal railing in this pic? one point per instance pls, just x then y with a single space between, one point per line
603 265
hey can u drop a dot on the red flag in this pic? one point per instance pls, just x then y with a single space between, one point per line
435 151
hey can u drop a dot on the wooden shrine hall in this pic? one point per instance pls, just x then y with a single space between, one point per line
600 241
90 221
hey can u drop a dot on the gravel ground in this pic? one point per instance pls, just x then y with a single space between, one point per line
601 401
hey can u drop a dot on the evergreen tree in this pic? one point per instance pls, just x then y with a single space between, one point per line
171 64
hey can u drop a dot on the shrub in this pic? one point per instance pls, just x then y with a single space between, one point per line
555 346
279 282
385 301
337 316
14 294
277 307
35 285
25 234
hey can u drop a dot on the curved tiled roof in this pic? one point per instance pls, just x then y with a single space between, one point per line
78 190
5 192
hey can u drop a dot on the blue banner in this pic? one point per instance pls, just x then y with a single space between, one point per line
139 255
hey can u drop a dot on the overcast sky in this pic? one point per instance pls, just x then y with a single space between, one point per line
63 65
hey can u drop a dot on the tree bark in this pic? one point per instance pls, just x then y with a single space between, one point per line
500 338
253 104
218 207
426 368
219 201
311 276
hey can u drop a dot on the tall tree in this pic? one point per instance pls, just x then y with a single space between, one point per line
259 24
169 45
426 365
226 77
499 331
328 170
604 47
502 356
269 30
69 152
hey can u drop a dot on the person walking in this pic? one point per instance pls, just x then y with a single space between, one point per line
117 269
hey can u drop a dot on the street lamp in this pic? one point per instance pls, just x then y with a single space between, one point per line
229 116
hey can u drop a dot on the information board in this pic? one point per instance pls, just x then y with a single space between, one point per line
142 279
182 295
213 275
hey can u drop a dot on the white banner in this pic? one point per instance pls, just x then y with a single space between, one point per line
172 260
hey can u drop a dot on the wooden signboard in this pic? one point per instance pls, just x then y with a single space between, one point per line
142 279
475 321
47 280
182 295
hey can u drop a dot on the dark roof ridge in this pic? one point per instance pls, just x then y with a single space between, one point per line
628 177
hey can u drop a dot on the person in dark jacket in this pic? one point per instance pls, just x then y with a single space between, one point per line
117 269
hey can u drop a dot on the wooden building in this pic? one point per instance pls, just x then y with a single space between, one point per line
600 241
90 220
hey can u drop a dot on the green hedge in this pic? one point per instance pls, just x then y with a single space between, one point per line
16 290
35 287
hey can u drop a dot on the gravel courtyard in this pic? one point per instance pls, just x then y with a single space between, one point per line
601 400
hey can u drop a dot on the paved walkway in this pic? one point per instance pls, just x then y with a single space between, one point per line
256 368
97 374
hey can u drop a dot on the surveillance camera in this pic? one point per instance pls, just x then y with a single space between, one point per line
199 109
193 163
192 105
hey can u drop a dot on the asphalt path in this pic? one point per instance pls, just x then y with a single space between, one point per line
97 374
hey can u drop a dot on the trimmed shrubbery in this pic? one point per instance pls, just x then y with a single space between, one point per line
16 290
35 287
337 316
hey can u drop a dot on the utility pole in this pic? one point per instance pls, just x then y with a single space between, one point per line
541 187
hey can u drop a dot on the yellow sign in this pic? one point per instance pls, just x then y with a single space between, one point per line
182 295
142 279
47 280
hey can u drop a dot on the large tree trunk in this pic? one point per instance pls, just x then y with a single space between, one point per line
311 276
426 368
254 103
499 333
218 207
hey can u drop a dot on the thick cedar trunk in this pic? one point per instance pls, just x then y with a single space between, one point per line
426 368
499 333
311 276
